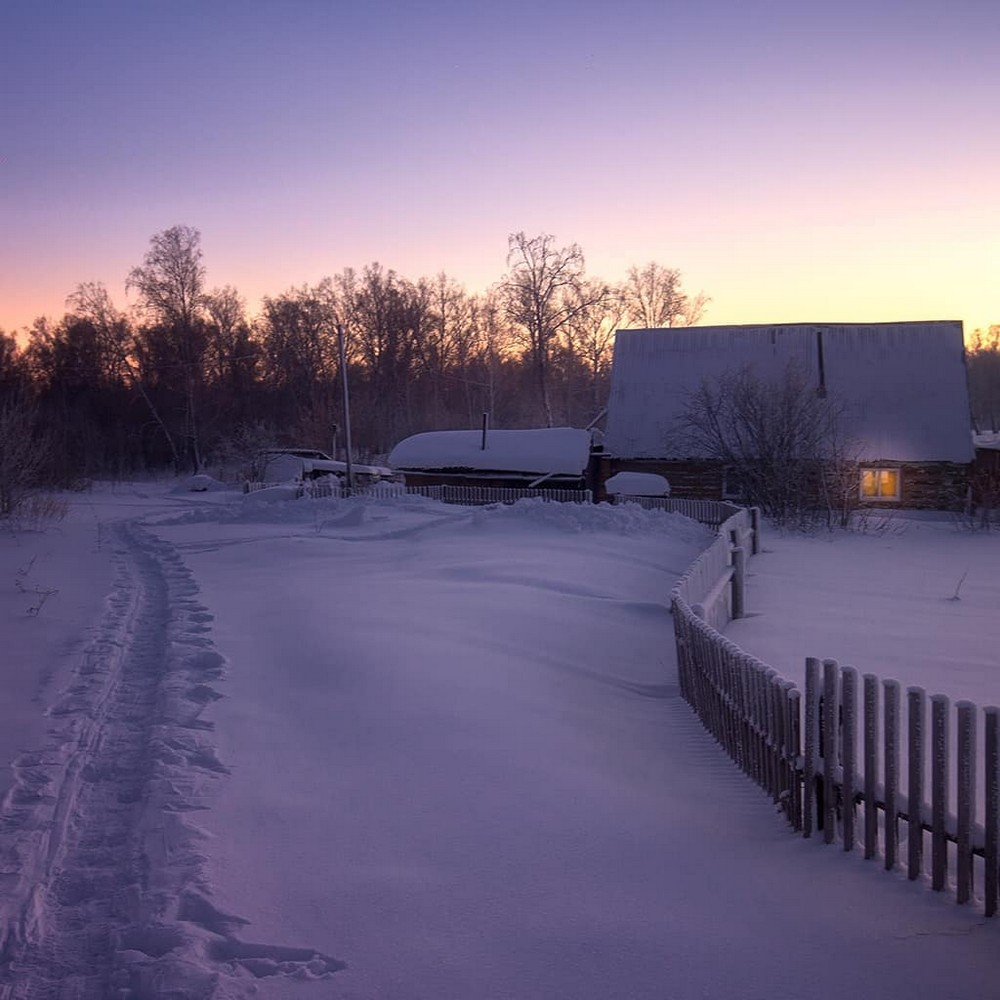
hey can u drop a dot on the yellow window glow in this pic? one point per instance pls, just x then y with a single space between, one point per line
869 483
888 483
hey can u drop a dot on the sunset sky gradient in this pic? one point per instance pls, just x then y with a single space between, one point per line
797 161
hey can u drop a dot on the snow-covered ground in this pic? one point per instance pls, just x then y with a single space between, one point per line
395 750
915 599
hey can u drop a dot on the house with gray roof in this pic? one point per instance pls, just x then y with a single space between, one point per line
901 387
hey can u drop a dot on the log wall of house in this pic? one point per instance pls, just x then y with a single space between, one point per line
931 485
924 485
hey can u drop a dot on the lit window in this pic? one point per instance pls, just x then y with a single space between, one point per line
880 484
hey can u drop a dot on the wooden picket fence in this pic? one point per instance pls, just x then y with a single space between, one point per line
853 769
470 496
712 513
829 767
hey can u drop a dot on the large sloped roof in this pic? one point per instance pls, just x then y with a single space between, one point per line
902 385
559 451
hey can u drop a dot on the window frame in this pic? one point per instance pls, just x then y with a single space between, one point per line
878 496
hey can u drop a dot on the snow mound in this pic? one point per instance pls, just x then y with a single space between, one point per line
630 519
638 484
201 484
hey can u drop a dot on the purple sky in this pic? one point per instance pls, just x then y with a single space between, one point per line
797 161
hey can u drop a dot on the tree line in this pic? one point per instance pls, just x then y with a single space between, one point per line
186 379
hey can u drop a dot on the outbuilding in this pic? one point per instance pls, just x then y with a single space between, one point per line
552 457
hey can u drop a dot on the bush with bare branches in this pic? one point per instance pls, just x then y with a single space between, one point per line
783 441
24 455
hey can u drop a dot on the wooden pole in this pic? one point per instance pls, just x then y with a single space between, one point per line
342 352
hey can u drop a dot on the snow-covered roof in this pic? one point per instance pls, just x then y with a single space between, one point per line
987 439
560 451
638 484
903 385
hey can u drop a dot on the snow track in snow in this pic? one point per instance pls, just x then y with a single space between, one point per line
101 887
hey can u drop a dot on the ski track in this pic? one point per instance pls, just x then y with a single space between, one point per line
102 893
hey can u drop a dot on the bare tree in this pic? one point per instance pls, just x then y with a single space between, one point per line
780 440
170 282
591 337
983 363
653 297
543 292
92 303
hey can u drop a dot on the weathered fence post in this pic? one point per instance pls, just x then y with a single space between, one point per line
966 778
830 720
871 765
794 753
940 706
809 809
916 700
991 779
739 582
754 531
849 705
890 692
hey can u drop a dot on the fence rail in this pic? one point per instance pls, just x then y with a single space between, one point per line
847 780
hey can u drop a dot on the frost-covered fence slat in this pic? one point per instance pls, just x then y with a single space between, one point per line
966 783
991 781
829 732
916 700
871 764
939 790
792 753
890 689
810 816
849 709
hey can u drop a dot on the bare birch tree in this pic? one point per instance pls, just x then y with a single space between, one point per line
653 297
543 292
170 282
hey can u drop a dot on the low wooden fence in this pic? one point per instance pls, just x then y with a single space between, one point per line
743 703
854 764
710 512
470 496
832 768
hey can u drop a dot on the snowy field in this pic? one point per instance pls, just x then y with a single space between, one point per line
918 601
401 751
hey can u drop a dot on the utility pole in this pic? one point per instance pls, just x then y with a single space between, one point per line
347 407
